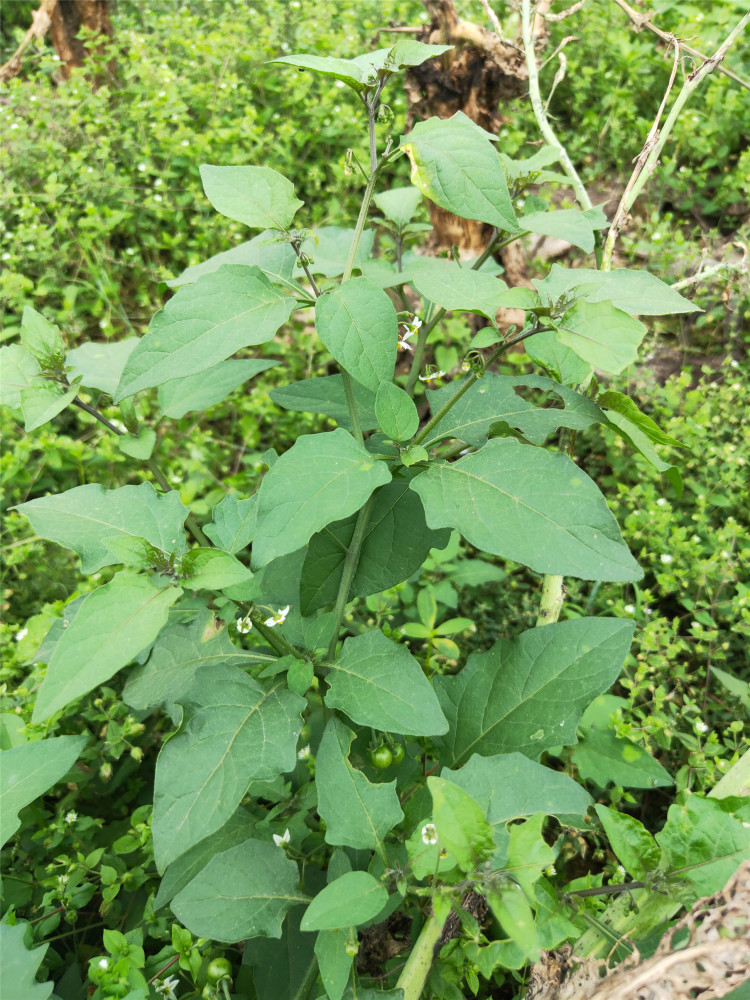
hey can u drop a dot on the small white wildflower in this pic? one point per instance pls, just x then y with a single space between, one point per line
141 167
666 558
550 870
648 611
701 727
661 502
431 376
280 841
724 554
695 538
304 753
244 625
157 197
734 363
621 871
402 339
629 609
103 963
429 834
21 634
185 142
167 987
278 617
71 817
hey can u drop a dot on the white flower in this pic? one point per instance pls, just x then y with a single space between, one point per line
695 538
402 345
168 986
304 753
724 554
621 871
661 502
71 817
429 834
278 617
21 634
629 609
666 558
550 870
244 625
431 376
701 727
280 841
103 963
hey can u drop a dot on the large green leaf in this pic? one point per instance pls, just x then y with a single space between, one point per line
328 248
28 771
212 569
510 786
285 968
258 196
405 52
602 335
18 370
561 362
322 478
233 523
456 288
275 259
241 893
327 395
399 204
493 399
397 541
345 70
205 323
100 365
334 962
455 165
378 683
396 412
633 845
41 401
356 812
235 831
181 650
601 757
112 626
528 695
566 224
41 338
531 506
84 518
351 900
704 840
21 964
462 826
235 731
357 323
206 389
624 405
637 293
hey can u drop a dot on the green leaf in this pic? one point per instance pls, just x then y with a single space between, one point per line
511 907
351 900
378 683
461 824
179 651
602 335
345 70
601 757
397 541
276 260
528 853
100 365
235 731
285 968
510 786
333 961
493 399
640 294
28 771
404 53
21 964
561 362
235 831
258 196
456 288
396 412
357 812
211 569
18 370
528 695
329 247
113 625
206 389
233 523
634 846
241 893
41 401
326 395
623 404
205 323
566 224
357 323
140 445
42 339
322 478
531 506
84 518
455 165
643 445
738 688
400 205
704 841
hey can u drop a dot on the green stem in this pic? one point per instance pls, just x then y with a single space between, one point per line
276 641
552 600
351 561
414 974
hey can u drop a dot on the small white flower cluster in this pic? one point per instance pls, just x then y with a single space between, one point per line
277 618
701 727
410 330
71 817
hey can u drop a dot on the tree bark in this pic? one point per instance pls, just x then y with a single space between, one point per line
67 19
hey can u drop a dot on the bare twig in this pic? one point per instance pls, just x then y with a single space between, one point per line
565 13
41 20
